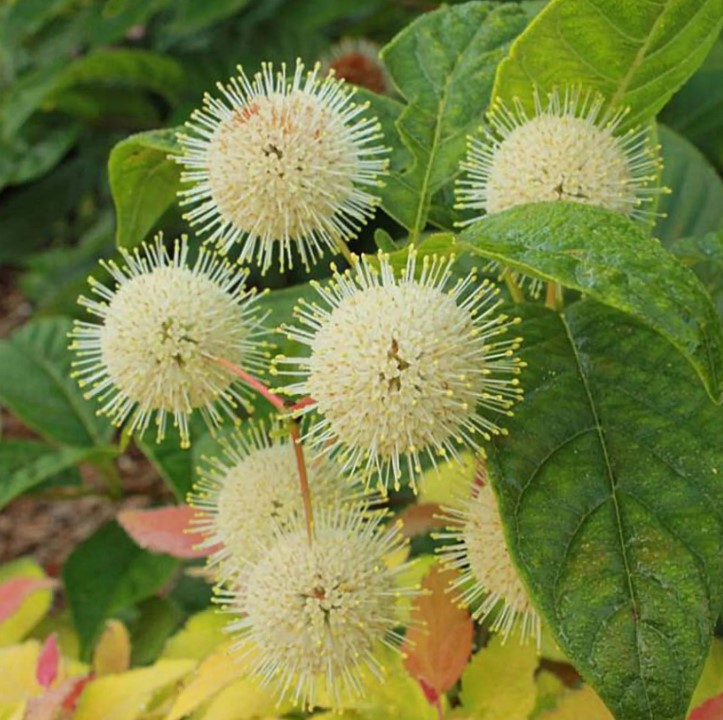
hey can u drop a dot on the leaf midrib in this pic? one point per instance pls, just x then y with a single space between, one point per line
614 498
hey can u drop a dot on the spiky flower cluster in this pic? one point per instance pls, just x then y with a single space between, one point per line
160 328
404 366
278 163
311 615
568 150
251 492
479 550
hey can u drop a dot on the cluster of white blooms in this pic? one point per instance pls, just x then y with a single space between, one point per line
407 362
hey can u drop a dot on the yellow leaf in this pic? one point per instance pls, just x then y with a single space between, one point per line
112 654
210 677
499 682
13 711
411 576
17 672
549 691
579 704
126 696
449 482
200 636
244 699
33 608
711 680
549 648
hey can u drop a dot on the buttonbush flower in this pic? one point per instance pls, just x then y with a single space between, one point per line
252 488
479 551
568 150
404 366
281 162
159 326
356 60
312 615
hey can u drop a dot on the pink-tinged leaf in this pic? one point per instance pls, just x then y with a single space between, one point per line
48 705
165 530
438 645
420 519
15 590
710 710
48 661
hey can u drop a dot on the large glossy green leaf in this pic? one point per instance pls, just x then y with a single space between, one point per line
143 181
610 489
24 464
695 205
610 258
704 255
35 384
107 573
636 53
443 64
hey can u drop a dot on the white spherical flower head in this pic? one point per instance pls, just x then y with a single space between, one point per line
160 328
315 613
480 551
404 366
568 150
253 489
279 163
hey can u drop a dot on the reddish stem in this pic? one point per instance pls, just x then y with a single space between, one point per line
303 479
281 406
252 382
438 707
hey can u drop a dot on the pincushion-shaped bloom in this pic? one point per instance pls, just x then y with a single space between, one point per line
252 489
402 366
312 614
356 60
281 162
568 150
479 550
160 328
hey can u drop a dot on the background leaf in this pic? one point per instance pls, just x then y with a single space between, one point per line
636 54
609 488
107 573
439 643
609 258
443 64
26 463
695 205
499 683
704 255
143 181
36 385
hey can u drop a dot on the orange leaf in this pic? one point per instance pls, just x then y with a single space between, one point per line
439 643
15 590
420 519
710 710
165 530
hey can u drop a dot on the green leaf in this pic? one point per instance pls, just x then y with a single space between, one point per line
125 67
143 181
35 384
695 205
107 573
696 110
158 618
610 258
26 463
610 491
190 16
704 255
637 54
35 151
443 64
